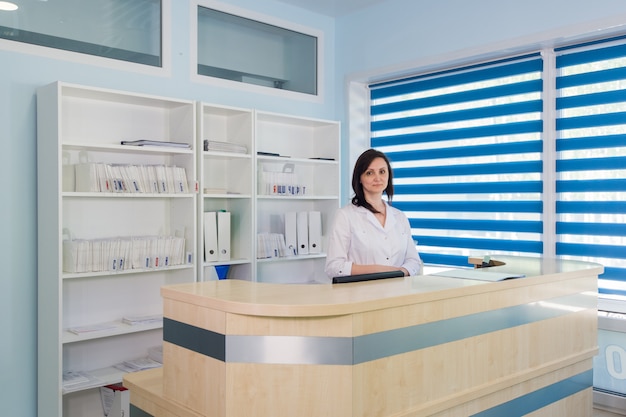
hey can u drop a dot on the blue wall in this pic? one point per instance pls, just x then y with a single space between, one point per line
384 38
20 75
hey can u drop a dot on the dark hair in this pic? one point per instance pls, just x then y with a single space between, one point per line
361 165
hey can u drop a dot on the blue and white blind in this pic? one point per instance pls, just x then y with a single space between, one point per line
466 152
591 158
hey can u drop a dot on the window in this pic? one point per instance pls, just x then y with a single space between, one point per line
471 168
118 29
466 151
591 164
244 50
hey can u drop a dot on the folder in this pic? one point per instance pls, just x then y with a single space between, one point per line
210 236
302 220
223 235
291 240
115 400
315 232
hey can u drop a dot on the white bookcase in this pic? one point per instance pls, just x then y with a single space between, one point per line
80 130
309 151
84 126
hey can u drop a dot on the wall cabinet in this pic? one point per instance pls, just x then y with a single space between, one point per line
118 221
107 240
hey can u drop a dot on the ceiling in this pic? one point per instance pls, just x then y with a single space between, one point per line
333 8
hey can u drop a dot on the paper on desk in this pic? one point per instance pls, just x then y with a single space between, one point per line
478 274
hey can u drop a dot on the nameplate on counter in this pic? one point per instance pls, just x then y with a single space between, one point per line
478 274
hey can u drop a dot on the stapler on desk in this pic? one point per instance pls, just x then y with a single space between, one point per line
484 262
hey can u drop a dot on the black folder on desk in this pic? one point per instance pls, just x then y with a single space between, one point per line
367 277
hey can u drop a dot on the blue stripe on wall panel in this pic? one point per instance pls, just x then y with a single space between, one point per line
519 206
460 97
596 120
591 142
541 398
443 259
524 167
491 188
590 250
520 226
431 81
508 129
576 80
534 106
591 164
591 229
596 207
590 185
519 245
534 146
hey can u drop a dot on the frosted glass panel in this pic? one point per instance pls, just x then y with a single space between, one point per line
240 49
117 29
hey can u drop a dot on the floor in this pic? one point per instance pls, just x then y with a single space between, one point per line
602 413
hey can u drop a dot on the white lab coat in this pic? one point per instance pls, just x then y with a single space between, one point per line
358 237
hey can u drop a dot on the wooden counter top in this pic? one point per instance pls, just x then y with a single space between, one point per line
316 300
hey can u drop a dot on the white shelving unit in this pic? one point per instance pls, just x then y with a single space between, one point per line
84 125
234 182
226 183
310 148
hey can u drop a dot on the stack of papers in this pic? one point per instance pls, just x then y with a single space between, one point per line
480 274
212 145
147 319
140 364
73 380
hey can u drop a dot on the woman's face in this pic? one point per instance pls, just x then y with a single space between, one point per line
376 177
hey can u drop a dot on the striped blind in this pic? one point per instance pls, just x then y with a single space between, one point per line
466 153
591 158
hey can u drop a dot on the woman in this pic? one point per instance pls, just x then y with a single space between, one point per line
369 235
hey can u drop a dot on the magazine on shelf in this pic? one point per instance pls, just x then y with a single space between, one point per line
144 142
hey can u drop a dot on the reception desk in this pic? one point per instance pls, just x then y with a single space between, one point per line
414 346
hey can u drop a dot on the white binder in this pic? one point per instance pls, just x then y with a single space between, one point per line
210 236
302 220
315 232
291 240
223 235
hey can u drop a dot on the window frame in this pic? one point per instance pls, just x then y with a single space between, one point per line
549 155
319 97
105 62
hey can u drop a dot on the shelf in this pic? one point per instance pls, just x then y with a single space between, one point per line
292 258
72 194
102 377
287 159
110 274
226 155
227 196
229 262
297 197
119 328
126 148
